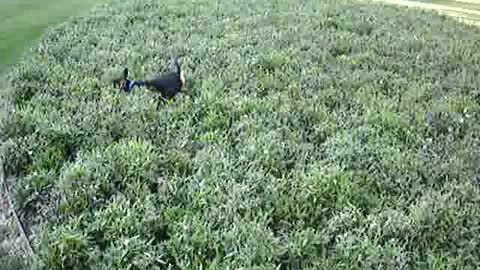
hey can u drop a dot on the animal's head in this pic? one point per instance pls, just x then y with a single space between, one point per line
122 80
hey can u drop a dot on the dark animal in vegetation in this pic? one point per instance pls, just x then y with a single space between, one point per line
168 85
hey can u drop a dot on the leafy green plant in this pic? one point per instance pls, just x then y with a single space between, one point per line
317 135
9 262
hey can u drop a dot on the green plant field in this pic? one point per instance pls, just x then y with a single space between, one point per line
24 21
11 262
318 135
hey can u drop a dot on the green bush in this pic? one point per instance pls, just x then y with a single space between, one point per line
318 135
9 262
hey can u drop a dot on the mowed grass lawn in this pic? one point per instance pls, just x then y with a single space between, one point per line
24 21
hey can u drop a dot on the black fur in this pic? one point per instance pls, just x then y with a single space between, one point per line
168 85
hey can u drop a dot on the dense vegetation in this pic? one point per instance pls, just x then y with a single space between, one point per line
318 135
9 262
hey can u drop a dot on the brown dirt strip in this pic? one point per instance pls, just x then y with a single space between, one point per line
462 14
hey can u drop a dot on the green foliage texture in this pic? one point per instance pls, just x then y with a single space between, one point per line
9 262
318 135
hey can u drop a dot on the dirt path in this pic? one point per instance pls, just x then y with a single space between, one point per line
464 15
10 237
14 243
469 1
